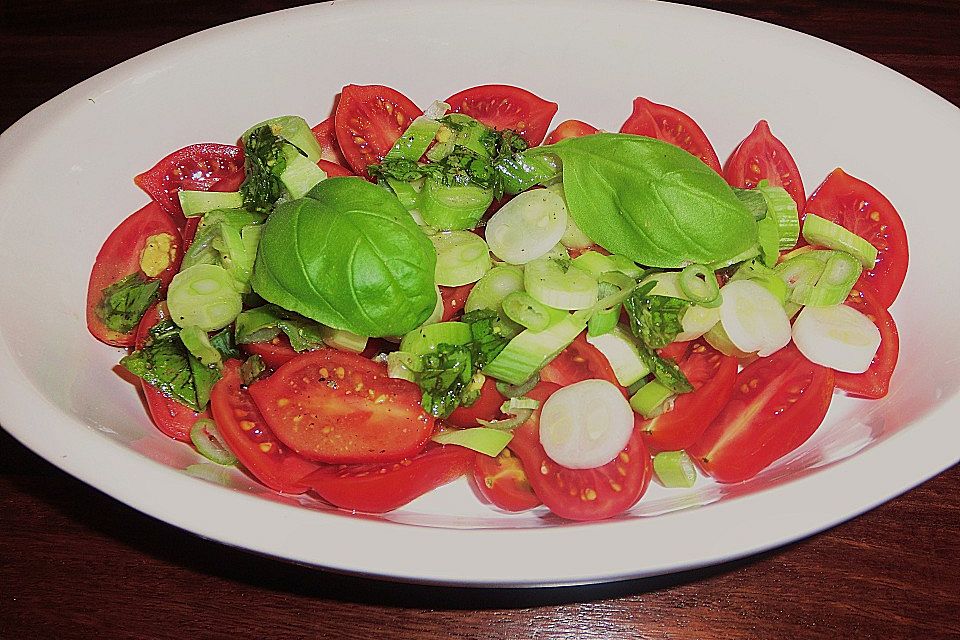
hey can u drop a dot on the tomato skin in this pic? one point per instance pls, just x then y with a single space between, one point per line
120 256
334 170
379 488
570 129
275 353
249 437
875 381
502 106
581 494
503 482
487 407
712 375
453 299
169 416
761 156
670 125
197 168
368 120
777 404
578 362
338 407
857 206
327 138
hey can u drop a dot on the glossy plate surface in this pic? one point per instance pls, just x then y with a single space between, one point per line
66 180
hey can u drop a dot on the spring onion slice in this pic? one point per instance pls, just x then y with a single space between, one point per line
462 258
527 227
197 203
513 405
768 240
627 266
452 207
403 365
517 390
594 263
494 287
204 296
206 438
508 424
343 340
802 271
484 440
753 318
602 322
650 399
697 319
699 285
820 231
526 169
548 283
839 337
833 286
419 135
782 208
764 276
407 192
675 469
523 309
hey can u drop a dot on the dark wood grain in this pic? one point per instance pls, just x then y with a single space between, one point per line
77 564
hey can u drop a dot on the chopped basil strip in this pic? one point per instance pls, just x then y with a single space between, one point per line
123 303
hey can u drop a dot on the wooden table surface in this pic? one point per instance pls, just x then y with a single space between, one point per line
77 564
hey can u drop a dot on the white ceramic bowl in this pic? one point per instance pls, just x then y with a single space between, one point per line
65 182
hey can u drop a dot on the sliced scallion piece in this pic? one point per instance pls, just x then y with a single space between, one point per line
403 365
343 340
518 390
650 399
836 281
527 227
782 208
768 240
603 321
197 342
508 424
523 309
551 284
493 287
675 469
204 296
206 438
820 231
197 203
513 405
699 285
462 258
452 207
489 442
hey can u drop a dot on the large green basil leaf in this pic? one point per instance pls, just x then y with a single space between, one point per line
348 256
651 201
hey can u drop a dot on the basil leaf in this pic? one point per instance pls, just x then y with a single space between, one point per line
166 364
665 371
656 320
123 303
651 201
265 323
446 374
348 256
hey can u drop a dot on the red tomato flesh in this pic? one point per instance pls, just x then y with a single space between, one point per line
712 375
670 125
570 129
503 482
368 120
857 206
327 138
502 106
761 156
196 168
334 170
453 299
378 488
875 381
486 407
578 362
581 494
275 353
339 407
120 257
777 404
249 437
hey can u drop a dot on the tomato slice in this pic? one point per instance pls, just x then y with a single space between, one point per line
570 129
502 106
334 170
487 407
712 375
875 381
327 138
503 482
578 362
170 417
378 488
368 120
197 168
761 156
777 404
670 125
249 437
581 494
453 299
857 206
339 407
275 353
120 256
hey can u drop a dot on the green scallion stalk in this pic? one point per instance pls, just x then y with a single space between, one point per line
206 438
699 285
197 203
518 390
494 287
782 208
603 321
820 231
836 281
675 469
650 399
523 309
490 442
462 258
454 207
204 296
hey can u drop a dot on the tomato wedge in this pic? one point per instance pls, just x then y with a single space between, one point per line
579 361
453 299
581 494
327 138
670 125
196 168
761 156
334 170
170 417
502 106
368 120
121 255
503 482
712 375
857 206
570 129
339 407
487 407
777 404
875 381
378 488
250 439
275 353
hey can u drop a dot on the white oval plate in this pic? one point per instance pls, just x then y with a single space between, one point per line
65 182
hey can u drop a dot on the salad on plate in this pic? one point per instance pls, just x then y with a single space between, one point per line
394 298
